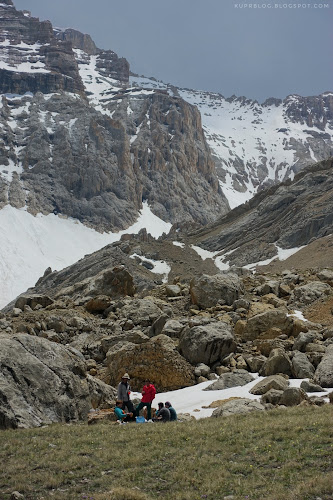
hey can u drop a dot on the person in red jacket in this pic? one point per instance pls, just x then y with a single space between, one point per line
148 394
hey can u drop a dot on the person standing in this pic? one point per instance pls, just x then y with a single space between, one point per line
124 394
173 413
148 394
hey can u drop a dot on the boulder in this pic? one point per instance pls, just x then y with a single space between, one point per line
114 282
277 362
301 366
310 386
173 290
142 312
303 339
202 370
207 343
172 328
32 301
292 396
326 275
272 318
306 294
237 406
231 379
42 382
272 382
98 304
324 372
269 286
273 396
255 362
206 291
157 359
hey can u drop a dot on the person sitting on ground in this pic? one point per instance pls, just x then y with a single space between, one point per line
123 395
163 414
148 394
173 413
122 417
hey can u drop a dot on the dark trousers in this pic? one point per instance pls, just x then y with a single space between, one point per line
140 406
130 408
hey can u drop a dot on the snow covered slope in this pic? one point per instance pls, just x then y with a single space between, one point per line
29 245
256 145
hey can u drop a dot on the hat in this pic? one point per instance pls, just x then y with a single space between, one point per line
126 376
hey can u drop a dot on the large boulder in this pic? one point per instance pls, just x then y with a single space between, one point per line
277 362
301 366
292 396
33 300
142 312
207 291
236 406
306 294
303 339
271 318
114 282
324 372
231 379
277 382
207 343
43 382
157 359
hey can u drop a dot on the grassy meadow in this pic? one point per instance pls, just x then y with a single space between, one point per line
284 454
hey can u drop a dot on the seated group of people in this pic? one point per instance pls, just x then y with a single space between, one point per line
165 411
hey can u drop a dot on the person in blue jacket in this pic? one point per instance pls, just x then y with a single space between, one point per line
122 417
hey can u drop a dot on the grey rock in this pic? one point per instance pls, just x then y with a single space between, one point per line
310 386
207 344
277 362
324 372
303 339
306 294
232 379
30 367
272 382
237 406
272 318
173 290
206 291
172 328
273 396
202 370
292 396
301 366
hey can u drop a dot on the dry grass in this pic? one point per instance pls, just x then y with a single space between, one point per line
278 455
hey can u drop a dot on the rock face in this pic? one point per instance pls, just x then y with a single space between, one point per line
157 359
95 156
42 382
207 344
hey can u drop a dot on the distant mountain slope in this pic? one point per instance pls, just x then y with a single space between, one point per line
256 145
287 216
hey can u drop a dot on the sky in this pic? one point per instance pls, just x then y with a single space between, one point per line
259 50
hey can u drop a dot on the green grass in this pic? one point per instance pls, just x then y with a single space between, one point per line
277 455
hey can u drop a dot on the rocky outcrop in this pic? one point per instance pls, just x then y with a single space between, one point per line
42 382
276 382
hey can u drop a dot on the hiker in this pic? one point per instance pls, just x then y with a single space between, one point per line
173 413
148 394
124 392
163 414
122 417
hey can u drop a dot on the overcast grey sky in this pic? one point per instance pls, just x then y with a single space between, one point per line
273 49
